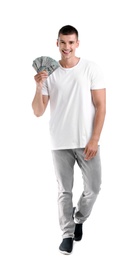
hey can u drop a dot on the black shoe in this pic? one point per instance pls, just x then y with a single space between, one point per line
66 246
78 233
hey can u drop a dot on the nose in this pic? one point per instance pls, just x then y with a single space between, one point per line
66 45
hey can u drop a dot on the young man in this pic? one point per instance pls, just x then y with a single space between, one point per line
77 104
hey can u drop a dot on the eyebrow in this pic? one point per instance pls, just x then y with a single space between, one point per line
65 42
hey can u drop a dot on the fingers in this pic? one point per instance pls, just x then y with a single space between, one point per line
41 76
89 154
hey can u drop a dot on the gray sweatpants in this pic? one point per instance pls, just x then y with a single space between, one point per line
64 161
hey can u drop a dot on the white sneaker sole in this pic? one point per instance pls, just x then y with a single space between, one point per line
65 252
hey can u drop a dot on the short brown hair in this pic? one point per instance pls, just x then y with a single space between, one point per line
67 30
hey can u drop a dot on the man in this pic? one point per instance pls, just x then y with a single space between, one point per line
77 104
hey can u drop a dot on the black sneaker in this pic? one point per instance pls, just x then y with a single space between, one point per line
78 233
66 246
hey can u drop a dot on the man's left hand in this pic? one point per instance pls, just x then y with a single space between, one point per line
91 150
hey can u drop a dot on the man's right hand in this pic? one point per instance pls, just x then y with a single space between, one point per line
40 78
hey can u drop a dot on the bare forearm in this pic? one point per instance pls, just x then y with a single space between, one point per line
99 101
98 123
37 103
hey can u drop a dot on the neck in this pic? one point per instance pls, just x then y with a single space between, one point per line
69 63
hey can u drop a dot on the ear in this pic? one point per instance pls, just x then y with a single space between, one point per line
78 42
57 43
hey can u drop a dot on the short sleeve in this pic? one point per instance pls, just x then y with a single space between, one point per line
45 90
97 78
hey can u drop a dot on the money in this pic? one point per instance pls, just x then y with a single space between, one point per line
45 63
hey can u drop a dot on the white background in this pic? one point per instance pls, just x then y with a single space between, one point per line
109 34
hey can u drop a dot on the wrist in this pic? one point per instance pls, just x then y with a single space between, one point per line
38 88
95 139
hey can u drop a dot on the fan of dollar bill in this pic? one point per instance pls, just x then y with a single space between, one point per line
45 63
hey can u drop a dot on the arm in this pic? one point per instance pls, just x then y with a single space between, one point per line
40 101
99 101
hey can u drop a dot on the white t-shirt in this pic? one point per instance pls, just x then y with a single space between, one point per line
71 107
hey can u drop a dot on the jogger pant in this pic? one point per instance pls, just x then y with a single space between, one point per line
64 161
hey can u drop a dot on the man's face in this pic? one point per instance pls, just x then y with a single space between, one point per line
67 45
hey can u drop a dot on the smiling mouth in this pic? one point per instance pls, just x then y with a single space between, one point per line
66 52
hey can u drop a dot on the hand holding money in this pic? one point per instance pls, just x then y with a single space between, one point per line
44 66
40 78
